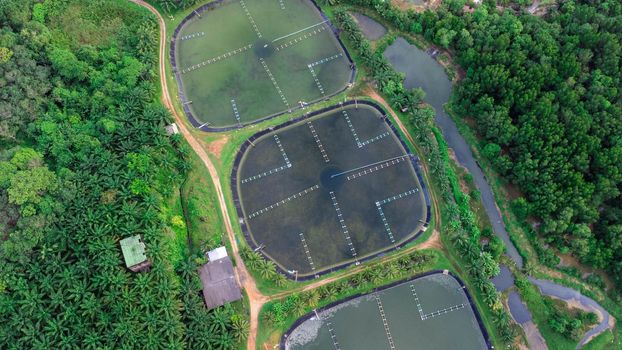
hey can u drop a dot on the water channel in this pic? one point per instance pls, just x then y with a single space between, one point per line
412 61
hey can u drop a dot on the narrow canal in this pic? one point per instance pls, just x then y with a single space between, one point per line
421 70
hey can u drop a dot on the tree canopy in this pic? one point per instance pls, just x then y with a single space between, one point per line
85 162
546 96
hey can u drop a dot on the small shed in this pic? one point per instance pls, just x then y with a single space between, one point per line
219 284
133 249
172 129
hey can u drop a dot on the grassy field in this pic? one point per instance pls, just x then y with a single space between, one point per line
243 61
205 224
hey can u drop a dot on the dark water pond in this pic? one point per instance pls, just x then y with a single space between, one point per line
329 190
371 29
518 309
504 280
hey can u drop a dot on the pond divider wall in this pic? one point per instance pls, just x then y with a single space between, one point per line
249 143
182 96
312 314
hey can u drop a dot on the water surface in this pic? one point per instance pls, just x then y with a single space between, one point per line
422 71
371 29
431 312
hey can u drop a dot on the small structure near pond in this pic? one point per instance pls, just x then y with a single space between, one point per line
133 249
218 279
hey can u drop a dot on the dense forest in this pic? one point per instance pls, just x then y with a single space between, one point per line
84 162
545 95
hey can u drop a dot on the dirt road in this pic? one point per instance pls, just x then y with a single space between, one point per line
256 299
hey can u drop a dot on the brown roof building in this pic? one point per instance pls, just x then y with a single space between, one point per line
219 284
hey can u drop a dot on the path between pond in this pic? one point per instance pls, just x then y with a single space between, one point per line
438 89
256 299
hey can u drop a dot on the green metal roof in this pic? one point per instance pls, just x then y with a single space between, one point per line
133 250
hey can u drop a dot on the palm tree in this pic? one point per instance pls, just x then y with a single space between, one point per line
375 275
267 269
501 318
392 270
240 327
490 294
219 319
298 308
313 298
280 280
358 279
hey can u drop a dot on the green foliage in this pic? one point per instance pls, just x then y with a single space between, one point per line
67 64
26 180
27 186
5 54
266 269
546 96
96 168
569 323
178 221
25 79
175 5
38 13
280 312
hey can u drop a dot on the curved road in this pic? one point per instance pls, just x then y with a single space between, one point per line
255 298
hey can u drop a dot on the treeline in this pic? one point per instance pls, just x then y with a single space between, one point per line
546 96
461 226
84 162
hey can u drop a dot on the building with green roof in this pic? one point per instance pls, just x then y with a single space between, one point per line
133 249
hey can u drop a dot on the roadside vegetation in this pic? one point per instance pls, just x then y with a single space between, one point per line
280 314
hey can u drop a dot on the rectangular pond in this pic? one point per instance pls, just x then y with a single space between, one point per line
238 61
335 188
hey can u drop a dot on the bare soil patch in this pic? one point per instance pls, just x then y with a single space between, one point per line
215 147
